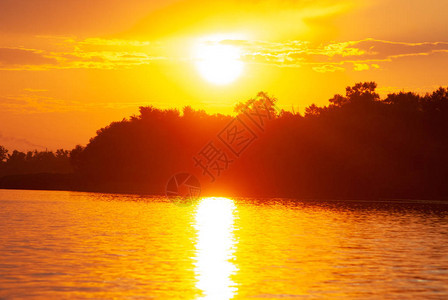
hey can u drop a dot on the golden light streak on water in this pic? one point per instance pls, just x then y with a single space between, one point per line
215 248
69 245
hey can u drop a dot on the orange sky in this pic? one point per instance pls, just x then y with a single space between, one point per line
69 67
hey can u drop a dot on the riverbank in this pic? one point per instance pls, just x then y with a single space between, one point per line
73 182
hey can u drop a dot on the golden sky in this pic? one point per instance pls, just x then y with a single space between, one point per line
69 67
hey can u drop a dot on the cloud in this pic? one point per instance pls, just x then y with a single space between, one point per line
12 57
364 67
380 49
102 59
361 67
114 42
34 103
363 55
73 53
101 53
328 68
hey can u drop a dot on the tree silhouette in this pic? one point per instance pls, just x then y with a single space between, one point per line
3 154
261 101
357 146
362 92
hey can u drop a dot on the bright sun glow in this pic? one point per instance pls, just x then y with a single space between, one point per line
217 63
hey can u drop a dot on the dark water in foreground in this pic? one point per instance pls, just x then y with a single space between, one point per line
62 245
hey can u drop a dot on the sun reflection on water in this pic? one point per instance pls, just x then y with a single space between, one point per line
215 248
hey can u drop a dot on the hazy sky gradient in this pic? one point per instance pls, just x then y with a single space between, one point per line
69 67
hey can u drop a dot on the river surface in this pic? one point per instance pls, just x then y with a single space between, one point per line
59 245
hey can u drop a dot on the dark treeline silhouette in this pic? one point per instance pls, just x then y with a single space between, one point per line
35 169
358 146
34 162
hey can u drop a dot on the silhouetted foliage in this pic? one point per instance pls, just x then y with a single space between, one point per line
3 154
313 110
263 100
358 146
33 162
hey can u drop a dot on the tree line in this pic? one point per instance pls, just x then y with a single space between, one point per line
357 146
17 162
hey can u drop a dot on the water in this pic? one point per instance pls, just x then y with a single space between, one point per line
58 245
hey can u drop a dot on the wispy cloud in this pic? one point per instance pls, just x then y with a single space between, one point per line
327 68
360 55
11 58
72 53
33 103
100 53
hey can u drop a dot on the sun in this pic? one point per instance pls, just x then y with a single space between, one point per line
218 63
